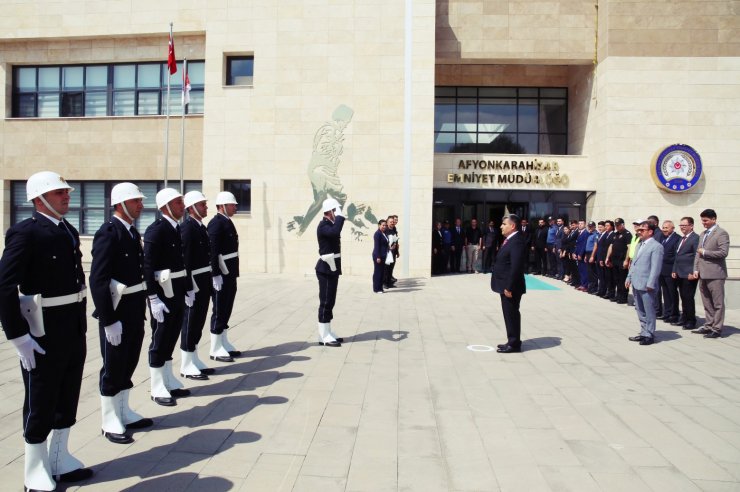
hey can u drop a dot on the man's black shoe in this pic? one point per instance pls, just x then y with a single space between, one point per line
117 438
164 401
179 392
702 331
689 325
621 301
670 320
208 370
220 358
389 286
508 349
679 322
713 334
235 353
196 377
394 279
140 424
502 345
77 475
646 341
637 338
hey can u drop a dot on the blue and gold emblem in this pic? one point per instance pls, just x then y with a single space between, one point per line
677 168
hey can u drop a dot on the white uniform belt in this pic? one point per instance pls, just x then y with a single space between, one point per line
230 255
134 288
336 255
201 270
179 274
63 300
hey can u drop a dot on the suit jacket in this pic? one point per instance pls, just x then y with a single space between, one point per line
712 264
508 270
683 264
196 247
670 244
559 237
491 237
458 239
380 246
528 236
163 251
581 242
224 241
540 237
116 255
437 240
40 258
328 235
603 245
645 269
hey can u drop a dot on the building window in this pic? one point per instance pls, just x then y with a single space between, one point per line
501 120
89 204
127 89
239 70
242 190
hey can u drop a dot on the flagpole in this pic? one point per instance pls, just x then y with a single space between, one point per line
167 125
182 129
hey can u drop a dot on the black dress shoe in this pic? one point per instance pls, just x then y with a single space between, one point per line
713 334
77 475
196 377
502 345
331 344
646 341
164 401
679 322
235 353
670 320
179 392
508 349
702 331
339 339
220 358
207 370
688 327
117 438
621 302
637 338
140 424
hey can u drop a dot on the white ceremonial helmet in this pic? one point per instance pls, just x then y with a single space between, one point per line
124 191
225 198
193 197
43 182
329 204
166 195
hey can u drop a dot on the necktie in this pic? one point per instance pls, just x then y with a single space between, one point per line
706 235
64 227
681 243
505 241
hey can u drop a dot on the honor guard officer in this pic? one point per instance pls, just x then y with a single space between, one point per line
170 289
197 251
118 290
47 326
329 268
225 262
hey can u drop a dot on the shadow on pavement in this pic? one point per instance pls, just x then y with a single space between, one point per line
729 330
281 349
215 411
540 343
263 364
249 381
666 335
182 481
390 335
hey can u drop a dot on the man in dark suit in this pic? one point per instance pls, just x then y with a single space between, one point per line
329 268
196 247
119 292
606 287
458 242
539 244
437 249
224 261
668 285
683 273
167 284
42 260
380 253
508 281
528 235
490 244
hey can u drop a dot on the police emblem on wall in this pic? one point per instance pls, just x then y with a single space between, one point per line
677 168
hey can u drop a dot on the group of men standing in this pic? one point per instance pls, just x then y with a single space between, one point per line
478 245
181 266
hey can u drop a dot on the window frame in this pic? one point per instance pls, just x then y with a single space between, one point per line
244 206
228 72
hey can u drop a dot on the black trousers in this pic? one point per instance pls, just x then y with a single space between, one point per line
593 275
52 389
165 334
540 260
512 319
223 305
120 361
687 291
378 270
552 260
601 275
388 273
195 317
489 256
669 287
455 260
327 296
621 278
610 278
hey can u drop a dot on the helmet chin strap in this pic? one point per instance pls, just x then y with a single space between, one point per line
125 211
50 208
195 209
169 210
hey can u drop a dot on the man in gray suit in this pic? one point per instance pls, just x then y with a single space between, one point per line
710 267
644 276
683 273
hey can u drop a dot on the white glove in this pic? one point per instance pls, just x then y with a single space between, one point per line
158 308
338 211
26 346
190 298
113 333
218 282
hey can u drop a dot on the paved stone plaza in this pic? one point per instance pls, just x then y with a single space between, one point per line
404 405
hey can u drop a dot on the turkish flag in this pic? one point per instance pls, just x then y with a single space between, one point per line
171 62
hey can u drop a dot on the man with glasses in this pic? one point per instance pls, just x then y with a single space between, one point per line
644 277
710 267
683 273
508 281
